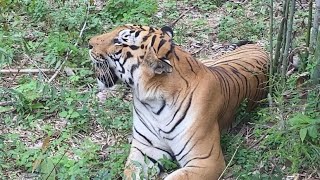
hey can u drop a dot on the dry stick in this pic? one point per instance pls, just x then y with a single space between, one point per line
229 163
258 141
6 103
196 52
44 74
288 42
11 71
271 46
69 52
54 167
172 24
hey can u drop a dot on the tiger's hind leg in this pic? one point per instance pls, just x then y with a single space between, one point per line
143 161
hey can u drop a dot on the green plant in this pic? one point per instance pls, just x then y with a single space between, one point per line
238 25
306 126
135 11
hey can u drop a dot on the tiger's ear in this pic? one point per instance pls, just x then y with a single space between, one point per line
168 30
158 65
162 66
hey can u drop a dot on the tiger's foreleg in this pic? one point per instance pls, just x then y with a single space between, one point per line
204 170
143 161
204 160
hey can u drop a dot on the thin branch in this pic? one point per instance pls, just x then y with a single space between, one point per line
55 166
6 103
196 52
75 44
173 23
44 74
229 163
258 141
13 71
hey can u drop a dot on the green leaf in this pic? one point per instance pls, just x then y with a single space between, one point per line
74 114
6 108
299 119
63 114
47 170
303 133
313 132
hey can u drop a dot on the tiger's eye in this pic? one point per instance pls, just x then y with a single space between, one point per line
116 41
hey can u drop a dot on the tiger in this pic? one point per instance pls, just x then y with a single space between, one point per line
180 105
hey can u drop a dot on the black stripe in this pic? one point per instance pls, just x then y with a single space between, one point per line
190 66
145 38
189 150
131 81
169 153
204 157
153 40
143 122
161 43
129 55
119 52
137 33
133 68
148 145
144 137
133 47
185 144
177 110
151 159
183 116
161 108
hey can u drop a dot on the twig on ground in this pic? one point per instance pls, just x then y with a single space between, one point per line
196 52
6 103
75 44
44 74
55 166
11 71
8 110
173 23
229 163
259 140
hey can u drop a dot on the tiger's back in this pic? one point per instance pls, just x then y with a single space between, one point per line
241 75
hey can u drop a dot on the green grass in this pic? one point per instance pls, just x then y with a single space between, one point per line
59 130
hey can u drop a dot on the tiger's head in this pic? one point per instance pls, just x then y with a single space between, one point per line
120 53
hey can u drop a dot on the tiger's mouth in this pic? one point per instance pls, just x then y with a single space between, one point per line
105 75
